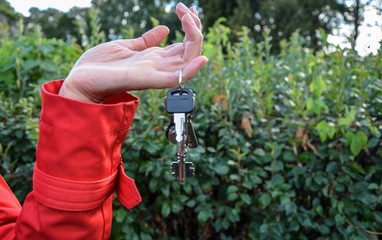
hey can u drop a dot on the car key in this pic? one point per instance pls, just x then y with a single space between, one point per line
180 103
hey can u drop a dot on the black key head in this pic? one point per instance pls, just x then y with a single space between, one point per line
180 101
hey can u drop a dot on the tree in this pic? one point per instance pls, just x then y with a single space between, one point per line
48 20
119 16
8 20
8 13
56 24
357 15
283 17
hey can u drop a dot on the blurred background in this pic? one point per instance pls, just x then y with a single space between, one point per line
289 114
358 21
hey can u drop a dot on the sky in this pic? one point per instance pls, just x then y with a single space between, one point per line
367 42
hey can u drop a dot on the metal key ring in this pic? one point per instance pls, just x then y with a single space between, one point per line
181 85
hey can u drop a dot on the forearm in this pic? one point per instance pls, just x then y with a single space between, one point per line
77 164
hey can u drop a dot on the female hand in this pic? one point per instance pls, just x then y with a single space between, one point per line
137 64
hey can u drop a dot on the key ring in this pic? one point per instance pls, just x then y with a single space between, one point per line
181 85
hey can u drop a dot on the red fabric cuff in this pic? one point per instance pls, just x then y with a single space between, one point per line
80 140
70 195
78 154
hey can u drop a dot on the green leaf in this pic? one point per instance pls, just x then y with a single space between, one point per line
153 184
318 210
378 216
120 215
278 166
211 149
341 206
339 219
246 198
264 228
317 86
46 48
373 143
361 136
175 207
289 156
49 65
166 190
29 64
191 203
221 169
187 188
166 210
332 166
368 199
326 129
265 199
348 119
232 189
372 186
202 217
232 197
324 229
259 152
294 226
358 140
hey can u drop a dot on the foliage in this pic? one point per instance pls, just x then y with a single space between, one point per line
290 148
25 64
290 144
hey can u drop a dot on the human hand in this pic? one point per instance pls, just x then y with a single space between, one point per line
137 64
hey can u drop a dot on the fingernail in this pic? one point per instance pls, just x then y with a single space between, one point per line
183 7
193 10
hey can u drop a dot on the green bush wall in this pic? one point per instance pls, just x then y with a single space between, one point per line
290 144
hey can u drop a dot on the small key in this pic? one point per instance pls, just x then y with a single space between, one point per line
191 140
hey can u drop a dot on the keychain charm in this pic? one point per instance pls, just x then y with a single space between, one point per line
180 104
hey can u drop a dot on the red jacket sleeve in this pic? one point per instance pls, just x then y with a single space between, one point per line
9 211
78 168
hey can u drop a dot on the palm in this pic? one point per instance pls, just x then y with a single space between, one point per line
137 64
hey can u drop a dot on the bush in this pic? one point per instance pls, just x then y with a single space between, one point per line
290 147
25 64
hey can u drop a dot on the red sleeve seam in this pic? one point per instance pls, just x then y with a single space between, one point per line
82 134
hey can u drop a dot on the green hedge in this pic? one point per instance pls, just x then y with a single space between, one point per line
25 64
290 145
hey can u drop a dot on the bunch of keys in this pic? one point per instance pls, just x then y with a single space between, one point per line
180 104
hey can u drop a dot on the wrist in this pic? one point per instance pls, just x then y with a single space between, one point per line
70 90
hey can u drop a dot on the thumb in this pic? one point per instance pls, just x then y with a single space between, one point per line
150 38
